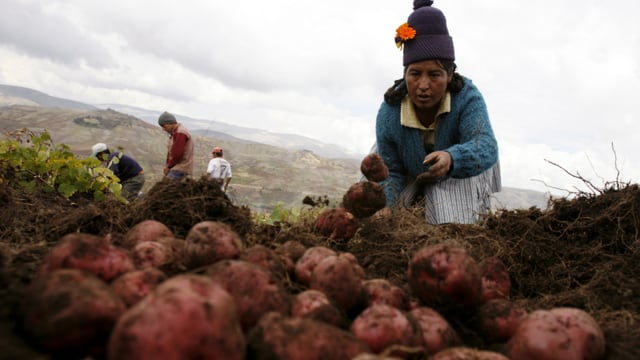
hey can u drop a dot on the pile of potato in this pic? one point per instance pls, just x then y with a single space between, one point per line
210 296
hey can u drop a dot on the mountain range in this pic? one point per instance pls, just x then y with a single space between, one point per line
269 169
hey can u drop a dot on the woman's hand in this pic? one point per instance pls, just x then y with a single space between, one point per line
440 165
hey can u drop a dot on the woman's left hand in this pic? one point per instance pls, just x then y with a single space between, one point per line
440 165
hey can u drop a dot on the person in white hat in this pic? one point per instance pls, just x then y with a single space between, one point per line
219 168
126 168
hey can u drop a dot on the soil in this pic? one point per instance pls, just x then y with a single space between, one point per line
581 252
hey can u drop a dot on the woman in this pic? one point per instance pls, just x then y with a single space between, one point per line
433 129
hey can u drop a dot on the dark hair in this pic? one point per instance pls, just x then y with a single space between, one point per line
397 91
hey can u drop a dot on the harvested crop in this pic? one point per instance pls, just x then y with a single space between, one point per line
496 282
211 241
316 305
88 252
382 291
337 223
499 318
562 333
444 274
381 326
70 312
265 257
132 286
309 260
466 353
146 230
364 199
187 316
158 253
374 168
297 338
435 331
254 289
341 281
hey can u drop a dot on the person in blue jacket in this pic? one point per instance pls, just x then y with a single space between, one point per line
433 130
126 168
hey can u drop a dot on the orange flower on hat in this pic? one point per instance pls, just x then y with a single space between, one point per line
403 33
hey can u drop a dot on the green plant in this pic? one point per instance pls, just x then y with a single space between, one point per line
31 161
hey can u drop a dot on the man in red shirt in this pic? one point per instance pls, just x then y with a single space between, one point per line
179 148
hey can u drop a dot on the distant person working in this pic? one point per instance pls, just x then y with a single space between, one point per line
179 163
126 168
219 168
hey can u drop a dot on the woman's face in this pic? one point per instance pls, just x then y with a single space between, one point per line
426 83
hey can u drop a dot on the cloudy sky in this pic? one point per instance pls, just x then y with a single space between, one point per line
561 80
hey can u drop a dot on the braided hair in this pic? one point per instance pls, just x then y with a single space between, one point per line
398 91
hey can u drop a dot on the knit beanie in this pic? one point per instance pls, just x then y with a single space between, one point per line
425 35
166 118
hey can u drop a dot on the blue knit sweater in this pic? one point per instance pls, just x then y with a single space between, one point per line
465 133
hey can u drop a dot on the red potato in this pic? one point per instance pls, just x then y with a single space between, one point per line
309 260
466 353
88 252
292 249
165 253
146 230
70 312
254 290
337 223
265 257
499 318
341 281
436 332
187 316
496 282
381 326
316 305
298 338
382 291
211 241
374 168
132 286
557 334
364 199
445 275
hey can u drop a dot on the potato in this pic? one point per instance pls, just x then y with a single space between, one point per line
316 305
296 338
364 199
444 274
382 291
435 331
381 326
337 223
146 230
211 241
254 290
374 168
341 281
466 353
496 282
132 286
164 253
499 318
560 333
265 257
90 253
187 316
70 312
309 260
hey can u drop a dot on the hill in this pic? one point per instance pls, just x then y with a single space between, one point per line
269 168
264 175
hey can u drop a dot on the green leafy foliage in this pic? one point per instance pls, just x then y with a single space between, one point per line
31 161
